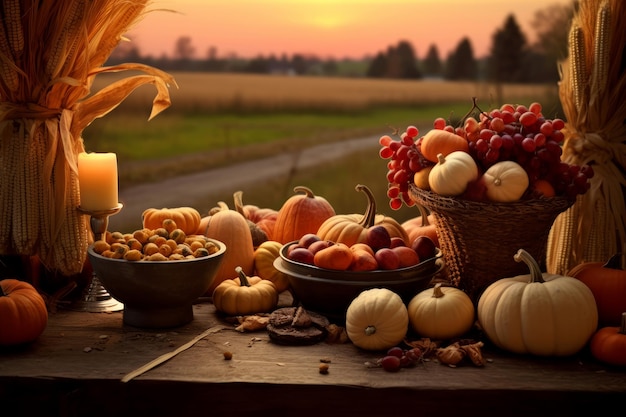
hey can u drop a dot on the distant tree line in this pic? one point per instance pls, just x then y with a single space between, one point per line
511 57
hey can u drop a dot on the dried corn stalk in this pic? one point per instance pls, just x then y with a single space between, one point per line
50 53
592 91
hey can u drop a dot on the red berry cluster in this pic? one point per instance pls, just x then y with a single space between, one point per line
397 358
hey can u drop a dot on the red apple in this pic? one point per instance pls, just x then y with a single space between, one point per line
387 259
306 239
408 257
397 241
302 255
425 247
378 237
319 245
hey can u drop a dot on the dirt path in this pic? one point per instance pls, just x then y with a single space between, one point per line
184 190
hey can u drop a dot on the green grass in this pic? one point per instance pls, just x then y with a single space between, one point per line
172 135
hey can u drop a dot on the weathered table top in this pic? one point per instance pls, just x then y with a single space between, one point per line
76 368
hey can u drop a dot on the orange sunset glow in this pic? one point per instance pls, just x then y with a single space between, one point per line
328 28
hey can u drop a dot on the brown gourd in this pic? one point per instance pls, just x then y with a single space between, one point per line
231 228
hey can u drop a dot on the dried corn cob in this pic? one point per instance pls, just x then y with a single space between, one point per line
60 62
577 62
6 180
601 48
7 69
15 34
19 226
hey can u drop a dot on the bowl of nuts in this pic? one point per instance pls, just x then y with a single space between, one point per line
157 278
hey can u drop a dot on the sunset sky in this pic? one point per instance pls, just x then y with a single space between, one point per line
329 28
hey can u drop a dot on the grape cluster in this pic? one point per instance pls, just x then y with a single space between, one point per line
397 358
513 132
404 160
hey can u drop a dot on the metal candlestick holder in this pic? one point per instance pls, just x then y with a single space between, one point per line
95 298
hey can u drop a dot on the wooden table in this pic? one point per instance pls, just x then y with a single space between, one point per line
75 369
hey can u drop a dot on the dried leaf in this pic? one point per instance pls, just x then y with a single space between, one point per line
252 323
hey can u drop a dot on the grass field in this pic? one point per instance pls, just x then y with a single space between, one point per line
216 116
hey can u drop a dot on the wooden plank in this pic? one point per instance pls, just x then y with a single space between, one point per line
83 356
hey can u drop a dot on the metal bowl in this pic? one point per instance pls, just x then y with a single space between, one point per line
157 294
330 292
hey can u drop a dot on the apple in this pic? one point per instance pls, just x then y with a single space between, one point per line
307 239
319 245
408 257
387 259
397 241
302 255
425 247
378 237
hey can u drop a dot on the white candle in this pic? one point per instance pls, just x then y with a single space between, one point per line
97 176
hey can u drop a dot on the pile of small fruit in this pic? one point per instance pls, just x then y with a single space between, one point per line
378 251
166 243
507 154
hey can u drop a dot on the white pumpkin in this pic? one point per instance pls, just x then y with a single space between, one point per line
505 181
377 319
451 175
539 314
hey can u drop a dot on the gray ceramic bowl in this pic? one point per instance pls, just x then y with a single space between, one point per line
157 294
330 292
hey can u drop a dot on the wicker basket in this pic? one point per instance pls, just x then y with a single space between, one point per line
478 240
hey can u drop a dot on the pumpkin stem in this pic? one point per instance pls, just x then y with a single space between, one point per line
440 158
437 293
423 215
370 330
533 266
370 213
303 189
615 262
243 279
238 198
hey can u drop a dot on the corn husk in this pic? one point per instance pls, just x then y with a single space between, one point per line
592 91
50 54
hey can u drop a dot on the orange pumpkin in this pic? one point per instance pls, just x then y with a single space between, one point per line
608 344
23 312
607 282
438 141
186 218
422 225
352 228
301 214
